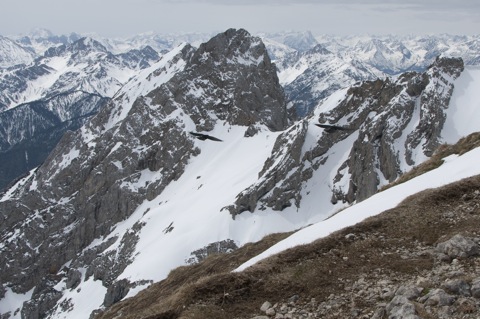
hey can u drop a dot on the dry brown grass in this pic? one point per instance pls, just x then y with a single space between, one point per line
211 290
188 285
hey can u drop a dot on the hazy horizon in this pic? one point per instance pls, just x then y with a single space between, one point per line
123 18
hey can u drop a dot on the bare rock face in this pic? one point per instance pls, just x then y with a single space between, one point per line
272 188
232 76
458 247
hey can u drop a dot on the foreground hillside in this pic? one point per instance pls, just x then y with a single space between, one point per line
417 260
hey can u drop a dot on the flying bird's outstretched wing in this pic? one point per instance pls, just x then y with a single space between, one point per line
204 137
331 128
213 138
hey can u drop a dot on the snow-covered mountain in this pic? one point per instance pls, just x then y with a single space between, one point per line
84 65
159 42
133 194
338 62
57 92
299 41
12 54
311 76
39 40
396 54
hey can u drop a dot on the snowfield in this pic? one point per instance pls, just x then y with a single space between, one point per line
464 110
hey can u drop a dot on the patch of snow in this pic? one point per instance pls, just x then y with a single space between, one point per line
11 191
13 303
83 300
463 113
68 158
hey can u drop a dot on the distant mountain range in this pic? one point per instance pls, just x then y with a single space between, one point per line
41 67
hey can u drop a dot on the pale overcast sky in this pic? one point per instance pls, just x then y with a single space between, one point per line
130 17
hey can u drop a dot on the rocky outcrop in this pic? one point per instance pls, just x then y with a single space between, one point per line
272 188
449 289
390 127
221 247
395 106
232 76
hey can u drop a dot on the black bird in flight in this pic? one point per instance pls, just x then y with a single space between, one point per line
332 128
204 137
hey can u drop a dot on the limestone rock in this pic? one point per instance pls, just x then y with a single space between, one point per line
265 306
457 287
458 247
438 297
401 307
475 289
116 292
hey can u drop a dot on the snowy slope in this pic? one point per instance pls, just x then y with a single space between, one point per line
464 110
12 54
454 169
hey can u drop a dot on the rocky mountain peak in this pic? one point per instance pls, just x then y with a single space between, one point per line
87 43
319 49
231 45
149 52
448 65
301 41
83 46
232 77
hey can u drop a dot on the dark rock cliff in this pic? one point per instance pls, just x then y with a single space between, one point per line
232 76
